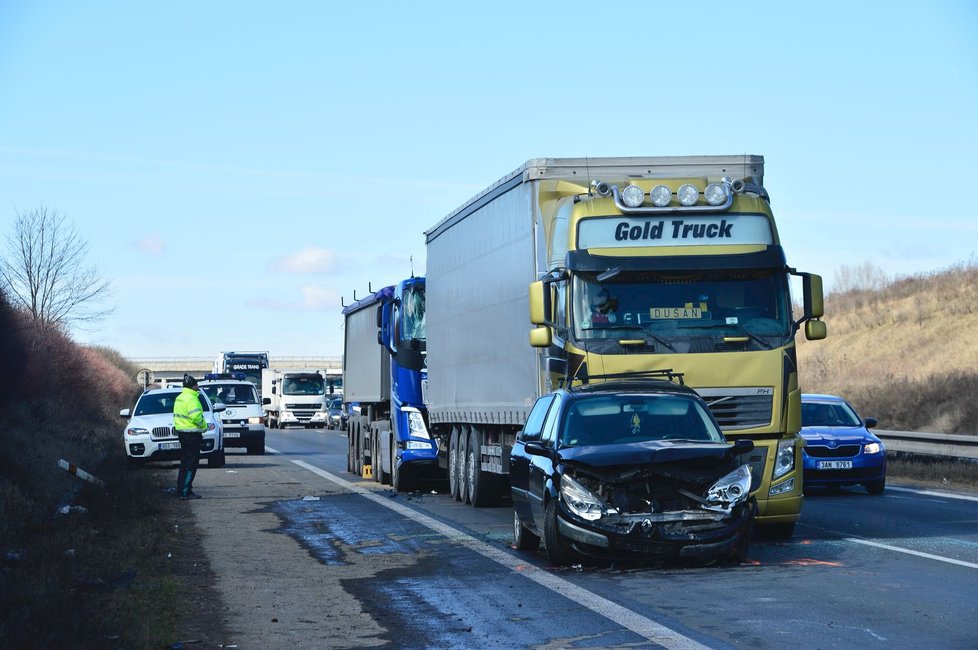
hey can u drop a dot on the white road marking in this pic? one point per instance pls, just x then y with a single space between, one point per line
898 549
931 493
645 627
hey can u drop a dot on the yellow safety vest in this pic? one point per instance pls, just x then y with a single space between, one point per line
187 412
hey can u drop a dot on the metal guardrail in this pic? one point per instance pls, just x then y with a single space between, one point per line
948 445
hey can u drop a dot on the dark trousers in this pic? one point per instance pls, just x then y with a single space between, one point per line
189 460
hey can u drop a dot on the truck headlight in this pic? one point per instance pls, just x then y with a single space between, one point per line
731 489
784 462
255 420
416 425
581 501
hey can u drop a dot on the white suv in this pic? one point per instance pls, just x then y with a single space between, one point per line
243 416
149 434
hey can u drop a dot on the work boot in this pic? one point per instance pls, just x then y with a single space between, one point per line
189 496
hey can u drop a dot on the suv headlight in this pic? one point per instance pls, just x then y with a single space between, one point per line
581 501
137 431
731 489
784 462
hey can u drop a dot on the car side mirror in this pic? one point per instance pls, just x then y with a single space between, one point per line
871 422
266 400
126 413
220 406
537 448
743 446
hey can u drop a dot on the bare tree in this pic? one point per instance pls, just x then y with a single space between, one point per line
45 273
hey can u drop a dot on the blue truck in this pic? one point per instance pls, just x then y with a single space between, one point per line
384 378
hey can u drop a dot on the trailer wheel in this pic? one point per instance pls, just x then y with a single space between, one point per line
453 478
463 475
482 491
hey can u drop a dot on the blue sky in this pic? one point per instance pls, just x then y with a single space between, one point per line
275 157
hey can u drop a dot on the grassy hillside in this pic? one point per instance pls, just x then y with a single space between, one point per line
905 352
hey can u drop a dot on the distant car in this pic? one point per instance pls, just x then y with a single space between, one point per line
629 470
149 434
337 414
839 449
243 417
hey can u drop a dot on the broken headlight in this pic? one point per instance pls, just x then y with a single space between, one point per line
731 489
581 501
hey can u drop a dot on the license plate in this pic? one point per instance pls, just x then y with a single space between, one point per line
834 464
232 434
169 445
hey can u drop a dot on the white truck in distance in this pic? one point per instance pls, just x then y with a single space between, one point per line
295 397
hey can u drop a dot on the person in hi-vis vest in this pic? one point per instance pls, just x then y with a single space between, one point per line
189 423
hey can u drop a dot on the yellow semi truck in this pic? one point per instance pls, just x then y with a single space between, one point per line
626 266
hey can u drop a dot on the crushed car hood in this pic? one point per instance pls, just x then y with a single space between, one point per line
654 452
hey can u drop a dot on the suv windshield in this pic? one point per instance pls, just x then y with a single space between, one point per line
231 394
160 403
828 414
613 419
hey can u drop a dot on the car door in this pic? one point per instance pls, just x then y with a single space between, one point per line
541 468
519 460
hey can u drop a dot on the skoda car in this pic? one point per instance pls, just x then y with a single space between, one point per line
630 470
242 417
839 449
149 434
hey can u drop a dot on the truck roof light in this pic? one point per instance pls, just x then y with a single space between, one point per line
715 194
632 196
688 195
661 196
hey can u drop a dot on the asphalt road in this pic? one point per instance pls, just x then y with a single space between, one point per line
341 562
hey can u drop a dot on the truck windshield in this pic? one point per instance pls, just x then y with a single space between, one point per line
413 327
683 311
303 386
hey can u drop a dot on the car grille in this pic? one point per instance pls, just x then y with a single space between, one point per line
307 407
162 432
820 451
740 408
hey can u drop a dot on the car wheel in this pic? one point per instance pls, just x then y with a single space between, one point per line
523 539
216 459
453 486
876 487
558 550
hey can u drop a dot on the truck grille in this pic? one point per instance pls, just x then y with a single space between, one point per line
740 408
162 432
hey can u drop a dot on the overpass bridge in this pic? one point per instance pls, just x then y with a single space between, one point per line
175 367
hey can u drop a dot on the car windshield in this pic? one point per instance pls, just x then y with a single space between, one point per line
828 414
613 419
231 394
160 403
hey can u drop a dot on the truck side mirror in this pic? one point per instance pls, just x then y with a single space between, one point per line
814 304
537 311
815 330
541 337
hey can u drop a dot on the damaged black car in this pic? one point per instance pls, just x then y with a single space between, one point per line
630 470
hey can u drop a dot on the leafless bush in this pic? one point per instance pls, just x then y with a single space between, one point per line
45 272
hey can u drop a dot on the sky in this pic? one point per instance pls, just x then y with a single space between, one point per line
239 168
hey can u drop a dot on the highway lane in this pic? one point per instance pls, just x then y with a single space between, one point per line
897 570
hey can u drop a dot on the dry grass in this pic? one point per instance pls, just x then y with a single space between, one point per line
96 579
904 353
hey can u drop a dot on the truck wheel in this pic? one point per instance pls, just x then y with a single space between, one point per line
523 539
481 484
775 531
349 449
453 478
558 550
356 440
463 454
